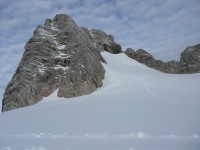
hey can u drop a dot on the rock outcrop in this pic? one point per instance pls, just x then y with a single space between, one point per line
189 61
103 41
60 55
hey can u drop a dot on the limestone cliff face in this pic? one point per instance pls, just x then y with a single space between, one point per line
189 61
60 55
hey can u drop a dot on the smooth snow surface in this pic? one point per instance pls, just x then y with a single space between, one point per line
136 109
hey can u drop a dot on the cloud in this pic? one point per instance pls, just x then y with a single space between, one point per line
164 27
24 10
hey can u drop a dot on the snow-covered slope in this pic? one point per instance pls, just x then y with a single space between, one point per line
136 109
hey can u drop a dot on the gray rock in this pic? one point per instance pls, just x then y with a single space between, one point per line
190 59
104 42
140 55
60 55
169 67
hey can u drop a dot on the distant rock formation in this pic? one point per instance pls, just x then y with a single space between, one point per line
60 55
189 61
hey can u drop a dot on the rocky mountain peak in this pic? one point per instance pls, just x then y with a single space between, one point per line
61 21
59 56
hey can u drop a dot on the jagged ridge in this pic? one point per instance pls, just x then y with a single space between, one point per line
189 60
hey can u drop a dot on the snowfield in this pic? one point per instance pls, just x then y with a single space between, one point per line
136 109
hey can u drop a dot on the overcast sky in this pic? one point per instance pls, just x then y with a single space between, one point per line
162 27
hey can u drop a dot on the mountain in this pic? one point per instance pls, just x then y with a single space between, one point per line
60 55
137 108
87 98
65 57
